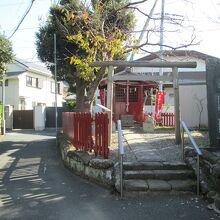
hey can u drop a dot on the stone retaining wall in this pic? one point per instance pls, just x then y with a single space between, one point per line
209 174
86 164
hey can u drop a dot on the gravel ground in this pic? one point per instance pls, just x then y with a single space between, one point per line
157 146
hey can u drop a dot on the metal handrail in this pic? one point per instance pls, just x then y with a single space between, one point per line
121 154
196 148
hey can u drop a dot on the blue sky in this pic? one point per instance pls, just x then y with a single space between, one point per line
204 16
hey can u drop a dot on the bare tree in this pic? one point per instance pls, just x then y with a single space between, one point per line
200 107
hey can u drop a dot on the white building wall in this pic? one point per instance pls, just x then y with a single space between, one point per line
190 97
39 118
50 97
10 93
33 96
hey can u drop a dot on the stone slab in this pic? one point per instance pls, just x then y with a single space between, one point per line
158 185
149 165
183 185
135 185
173 174
139 174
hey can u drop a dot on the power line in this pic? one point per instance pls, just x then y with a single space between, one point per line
22 19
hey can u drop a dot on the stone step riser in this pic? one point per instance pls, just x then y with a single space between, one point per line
159 174
154 166
159 185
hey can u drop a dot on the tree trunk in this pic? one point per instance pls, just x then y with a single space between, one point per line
80 95
84 102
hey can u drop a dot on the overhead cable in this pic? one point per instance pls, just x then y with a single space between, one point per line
22 19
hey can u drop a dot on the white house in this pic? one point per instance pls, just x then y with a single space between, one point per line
28 85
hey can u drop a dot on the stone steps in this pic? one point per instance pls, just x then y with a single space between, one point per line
158 176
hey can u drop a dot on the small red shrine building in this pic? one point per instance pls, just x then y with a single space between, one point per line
129 97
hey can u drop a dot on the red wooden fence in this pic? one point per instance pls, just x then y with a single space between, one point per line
82 123
167 119
78 129
101 135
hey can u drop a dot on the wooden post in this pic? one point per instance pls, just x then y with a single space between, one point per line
176 105
142 102
127 96
109 102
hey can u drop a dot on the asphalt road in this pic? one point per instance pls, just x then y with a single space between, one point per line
34 184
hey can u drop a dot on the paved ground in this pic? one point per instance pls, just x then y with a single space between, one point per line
35 185
159 146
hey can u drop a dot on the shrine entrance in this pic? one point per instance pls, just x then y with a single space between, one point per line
129 98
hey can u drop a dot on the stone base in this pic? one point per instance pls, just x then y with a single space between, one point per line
148 126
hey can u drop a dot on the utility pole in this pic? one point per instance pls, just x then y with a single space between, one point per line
3 108
161 41
144 28
176 105
55 78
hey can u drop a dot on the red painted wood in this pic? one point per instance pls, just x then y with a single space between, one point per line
78 129
167 119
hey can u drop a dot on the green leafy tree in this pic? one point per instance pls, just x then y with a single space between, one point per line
6 55
96 31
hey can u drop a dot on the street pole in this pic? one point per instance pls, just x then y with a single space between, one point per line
161 42
144 28
176 105
3 108
55 78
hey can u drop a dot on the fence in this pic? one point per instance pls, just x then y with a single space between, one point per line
78 129
167 119
101 134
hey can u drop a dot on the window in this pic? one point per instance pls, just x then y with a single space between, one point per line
59 87
6 82
22 104
133 94
52 87
32 81
120 93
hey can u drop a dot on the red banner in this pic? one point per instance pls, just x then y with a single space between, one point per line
158 105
